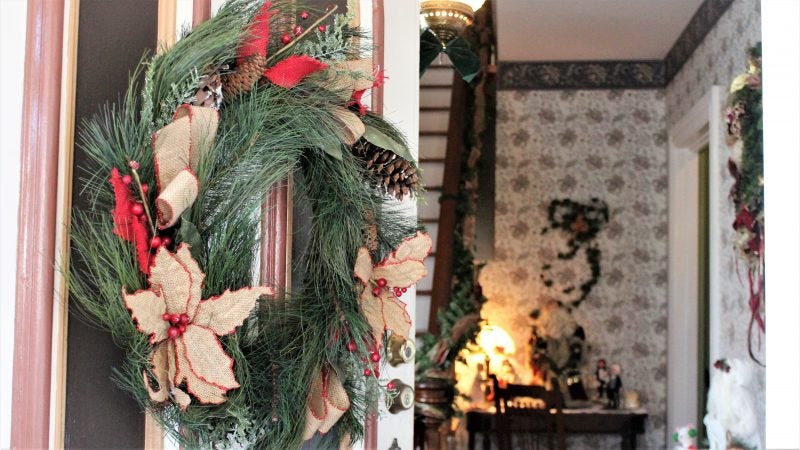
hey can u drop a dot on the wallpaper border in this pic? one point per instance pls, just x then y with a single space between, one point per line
630 74
581 75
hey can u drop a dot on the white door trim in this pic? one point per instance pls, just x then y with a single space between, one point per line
701 125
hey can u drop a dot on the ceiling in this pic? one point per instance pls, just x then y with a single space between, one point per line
586 30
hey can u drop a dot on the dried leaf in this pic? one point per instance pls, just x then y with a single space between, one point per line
380 139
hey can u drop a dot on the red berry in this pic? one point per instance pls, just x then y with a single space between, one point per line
390 385
322 28
404 290
285 39
184 319
304 15
155 242
375 357
173 332
175 319
133 165
298 30
382 282
182 328
137 209
145 187
165 241
367 372
376 292
351 346
126 179
143 218
165 316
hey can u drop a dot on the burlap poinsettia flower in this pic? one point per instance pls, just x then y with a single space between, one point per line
385 282
184 328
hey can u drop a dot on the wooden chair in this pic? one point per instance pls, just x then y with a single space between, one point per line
527 413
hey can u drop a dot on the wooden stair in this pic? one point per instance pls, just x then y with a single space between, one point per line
434 114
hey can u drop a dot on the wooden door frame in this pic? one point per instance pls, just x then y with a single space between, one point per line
36 250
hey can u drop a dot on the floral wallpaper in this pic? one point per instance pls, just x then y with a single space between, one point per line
718 59
609 144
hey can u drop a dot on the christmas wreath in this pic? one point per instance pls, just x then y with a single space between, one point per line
581 222
745 137
165 256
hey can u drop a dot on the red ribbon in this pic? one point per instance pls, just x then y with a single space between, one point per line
127 225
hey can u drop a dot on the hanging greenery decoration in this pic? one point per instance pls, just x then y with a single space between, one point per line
459 322
582 222
166 255
745 137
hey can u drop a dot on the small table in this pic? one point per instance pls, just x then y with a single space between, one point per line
625 423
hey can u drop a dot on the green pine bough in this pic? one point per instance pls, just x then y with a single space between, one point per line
264 136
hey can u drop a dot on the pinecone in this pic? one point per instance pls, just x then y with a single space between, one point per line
209 93
395 176
371 234
246 74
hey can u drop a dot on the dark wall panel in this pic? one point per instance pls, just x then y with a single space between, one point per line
113 35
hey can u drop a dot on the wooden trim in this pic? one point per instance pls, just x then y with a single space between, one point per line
378 54
201 11
167 29
63 221
276 248
33 325
371 425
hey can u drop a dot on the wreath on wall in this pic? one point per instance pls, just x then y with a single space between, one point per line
166 253
745 137
581 222
557 341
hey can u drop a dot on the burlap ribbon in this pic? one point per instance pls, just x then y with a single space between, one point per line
327 403
350 76
194 354
177 149
352 127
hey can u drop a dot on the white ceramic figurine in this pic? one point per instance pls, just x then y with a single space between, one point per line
731 406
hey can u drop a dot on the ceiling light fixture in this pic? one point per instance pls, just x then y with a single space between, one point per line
448 18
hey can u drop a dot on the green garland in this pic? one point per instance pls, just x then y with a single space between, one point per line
582 222
744 117
264 136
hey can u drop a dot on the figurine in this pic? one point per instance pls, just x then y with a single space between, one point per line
732 407
602 378
507 374
477 393
685 438
614 386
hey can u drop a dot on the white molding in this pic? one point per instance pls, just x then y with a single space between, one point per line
401 107
699 126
